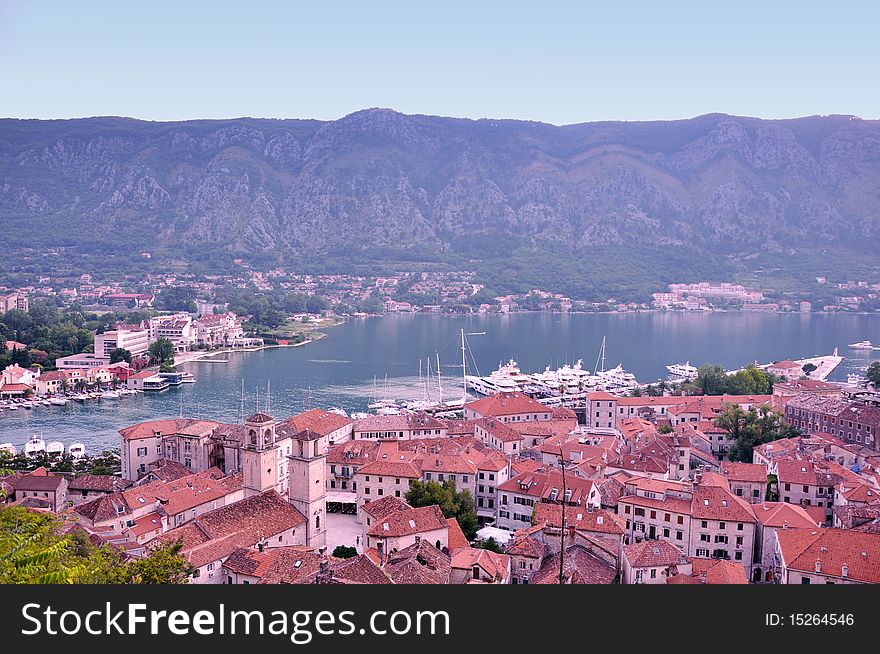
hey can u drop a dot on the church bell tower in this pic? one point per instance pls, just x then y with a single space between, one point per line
307 470
259 455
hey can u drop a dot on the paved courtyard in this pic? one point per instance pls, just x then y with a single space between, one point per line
342 529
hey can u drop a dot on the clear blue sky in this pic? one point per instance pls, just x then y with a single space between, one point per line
559 62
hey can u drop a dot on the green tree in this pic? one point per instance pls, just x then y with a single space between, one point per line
120 354
454 503
749 429
711 380
344 552
33 551
808 368
873 373
489 544
162 351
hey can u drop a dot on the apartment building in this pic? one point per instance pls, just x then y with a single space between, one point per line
135 341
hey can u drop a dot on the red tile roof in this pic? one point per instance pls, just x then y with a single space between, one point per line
833 548
750 472
506 404
456 537
653 554
408 522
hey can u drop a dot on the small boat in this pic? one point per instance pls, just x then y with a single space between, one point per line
77 450
855 379
45 403
12 406
338 411
359 415
862 345
55 449
109 395
35 446
9 448
57 401
27 405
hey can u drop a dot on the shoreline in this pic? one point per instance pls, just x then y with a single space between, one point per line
191 357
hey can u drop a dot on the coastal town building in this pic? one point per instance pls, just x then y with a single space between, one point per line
771 517
652 562
700 519
262 521
136 341
14 301
402 427
39 489
852 422
827 556
507 408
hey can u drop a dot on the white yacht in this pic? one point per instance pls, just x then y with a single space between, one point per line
682 371
508 378
862 345
58 401
618 379
110 395
77 450
35 446
55 449
338 411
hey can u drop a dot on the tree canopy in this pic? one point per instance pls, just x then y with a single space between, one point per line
751 428
712 379
454 503
33 550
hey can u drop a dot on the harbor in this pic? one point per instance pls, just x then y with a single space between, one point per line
348 368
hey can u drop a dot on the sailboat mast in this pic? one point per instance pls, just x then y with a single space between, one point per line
463 367
601 358
439 383
427 379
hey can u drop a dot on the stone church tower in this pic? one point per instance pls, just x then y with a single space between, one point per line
259 461
307 471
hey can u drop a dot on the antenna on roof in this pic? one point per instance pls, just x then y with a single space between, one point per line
269 397
257 401
241 403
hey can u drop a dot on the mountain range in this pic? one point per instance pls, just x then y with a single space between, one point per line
718 189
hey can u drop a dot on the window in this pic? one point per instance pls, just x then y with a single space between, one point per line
142 451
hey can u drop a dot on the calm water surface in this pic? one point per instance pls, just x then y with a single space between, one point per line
339 370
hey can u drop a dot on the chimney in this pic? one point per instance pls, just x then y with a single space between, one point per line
418 539
380 548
